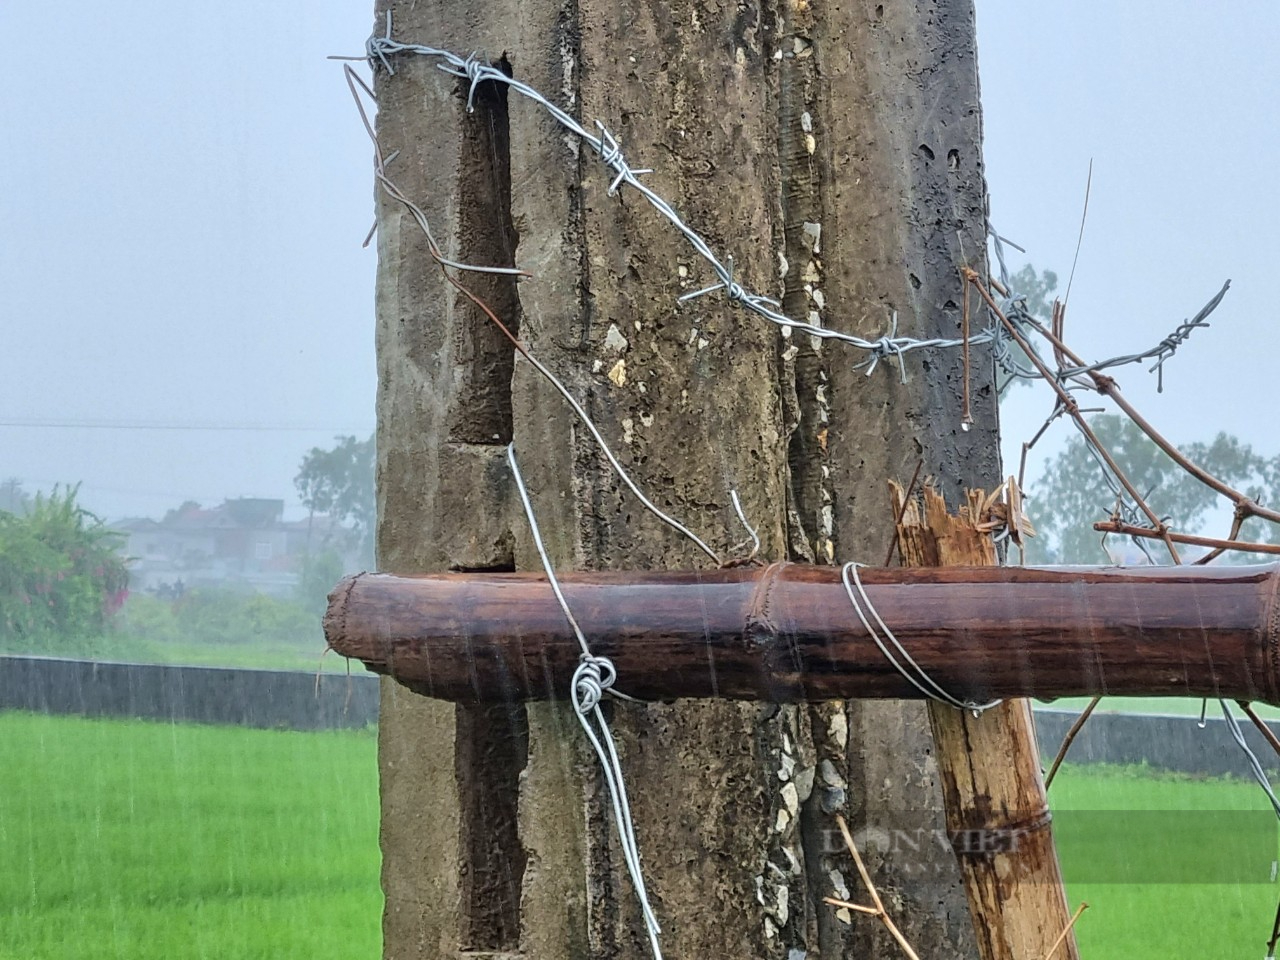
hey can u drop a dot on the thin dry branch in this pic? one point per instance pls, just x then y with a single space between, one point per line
1067 929
1115 525
1258 722
911 487
878 909
1072 409
1069 739
1236 523
1072 369
1107 387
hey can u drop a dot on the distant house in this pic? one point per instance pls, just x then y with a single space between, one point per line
243 542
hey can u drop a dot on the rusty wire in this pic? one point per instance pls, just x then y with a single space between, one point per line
1072 376
392 190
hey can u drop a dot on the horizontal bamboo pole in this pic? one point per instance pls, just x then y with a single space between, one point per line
788 632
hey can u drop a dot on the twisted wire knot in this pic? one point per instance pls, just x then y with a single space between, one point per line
377 48
884 348
474 69
593 677
611 157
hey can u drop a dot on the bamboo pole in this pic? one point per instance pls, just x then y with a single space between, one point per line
788 632
996 811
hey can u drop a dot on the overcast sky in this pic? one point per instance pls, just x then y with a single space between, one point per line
184 189
1175 105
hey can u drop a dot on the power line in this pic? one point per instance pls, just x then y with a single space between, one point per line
41 424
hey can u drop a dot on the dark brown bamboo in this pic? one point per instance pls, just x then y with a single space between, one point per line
788 633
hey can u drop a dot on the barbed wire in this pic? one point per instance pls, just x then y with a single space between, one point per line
420 218
1161 351
1076 376
1012 324
382 50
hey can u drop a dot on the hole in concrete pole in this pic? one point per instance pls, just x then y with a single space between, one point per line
492 741
492 750
486 236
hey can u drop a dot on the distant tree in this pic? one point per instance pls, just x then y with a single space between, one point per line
1072 494
218 616
14 499
1035 291
222 615
187 507
339 482
1036 288
62 576
321 570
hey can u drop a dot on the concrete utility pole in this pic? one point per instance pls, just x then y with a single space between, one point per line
834 151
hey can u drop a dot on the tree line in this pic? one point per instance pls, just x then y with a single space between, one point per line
64 582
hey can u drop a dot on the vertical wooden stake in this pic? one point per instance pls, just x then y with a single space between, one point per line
996 811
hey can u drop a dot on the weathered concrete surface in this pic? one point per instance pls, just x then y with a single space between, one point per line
892 101
815 145
443 418
904 207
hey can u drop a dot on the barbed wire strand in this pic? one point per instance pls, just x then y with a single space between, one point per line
916 676
608 148
1069 377
1073 410
420 217
382 49
594 677
1109 388
1162 351
1089 377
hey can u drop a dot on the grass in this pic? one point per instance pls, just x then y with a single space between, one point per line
247 655
125 839
307 658
1144 920
1175 706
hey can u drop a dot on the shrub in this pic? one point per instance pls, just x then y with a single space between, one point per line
62 578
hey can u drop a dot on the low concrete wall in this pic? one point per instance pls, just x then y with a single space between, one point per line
248 698
1165 742
297 701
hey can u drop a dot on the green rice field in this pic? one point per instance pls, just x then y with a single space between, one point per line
1172 920
141 841
138 840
